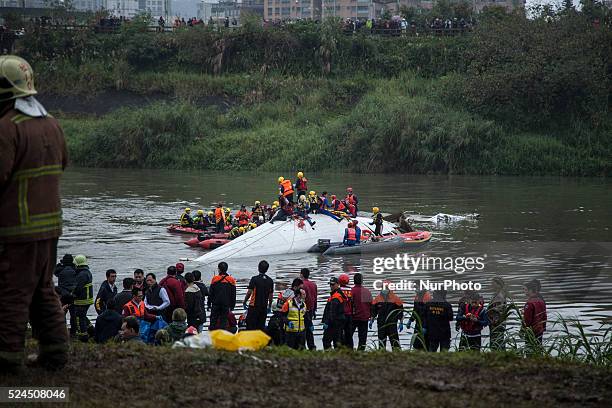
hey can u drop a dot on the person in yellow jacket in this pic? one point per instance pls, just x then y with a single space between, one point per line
32 159
186 220
294 312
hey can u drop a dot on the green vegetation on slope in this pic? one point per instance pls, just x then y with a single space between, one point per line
517 96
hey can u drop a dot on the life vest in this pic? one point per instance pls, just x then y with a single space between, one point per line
243 218
313 200
257 211
348 304
287 188
295 314
185 221
300 184
351 234
351 199
138 311
338 205
337 296
219 214
469 326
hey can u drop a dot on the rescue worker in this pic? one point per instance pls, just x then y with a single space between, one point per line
362 301
33 156
257 213
222 297
219 219
235 232
325 203
336 204
210 218
421 298
83 297
351 201
66 280
286 210
301 185
107 291
388 310
534 313
258 299
276 325
350 235
193 303
333 316
285 189
199 221
349 309
294 311
438 315
302 208
243 216
156 298
251 226
314 202
186 220
229 220
472 319
377 221
310 290
136 307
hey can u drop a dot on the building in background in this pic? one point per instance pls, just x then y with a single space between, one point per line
219 10
293 9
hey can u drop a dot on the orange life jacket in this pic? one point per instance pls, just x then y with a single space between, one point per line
219 214
136 311
351 199
340 205
352 234
287 188
243 217
336 295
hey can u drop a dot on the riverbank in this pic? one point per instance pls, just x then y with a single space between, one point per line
103 375
517 96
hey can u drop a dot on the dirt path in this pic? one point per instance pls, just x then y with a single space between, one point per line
143 376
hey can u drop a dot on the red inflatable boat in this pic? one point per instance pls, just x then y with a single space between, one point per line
194 242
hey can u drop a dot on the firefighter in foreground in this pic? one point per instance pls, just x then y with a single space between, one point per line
32 159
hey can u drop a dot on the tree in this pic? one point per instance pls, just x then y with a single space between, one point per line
442 9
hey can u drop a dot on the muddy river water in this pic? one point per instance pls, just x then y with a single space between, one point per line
556 229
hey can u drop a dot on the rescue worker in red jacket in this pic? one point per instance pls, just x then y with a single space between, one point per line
336 204
349 308
534 313
472 318
32 159
388 310
285 188
351 201
221 297
243 216
333 316
301 185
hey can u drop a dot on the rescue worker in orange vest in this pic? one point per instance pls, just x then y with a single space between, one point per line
472 318
350 235
333 316
219 219
286 210
243 216
347 328
336 204
32 158
301 185
286 189
221 297
388 310
351 201
136 307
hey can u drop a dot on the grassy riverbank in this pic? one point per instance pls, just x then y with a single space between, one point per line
518 96
100 375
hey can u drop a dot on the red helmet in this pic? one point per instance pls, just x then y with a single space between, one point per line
333 196
344 279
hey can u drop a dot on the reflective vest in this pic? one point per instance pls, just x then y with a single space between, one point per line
243 217
257 212
89 298
296 315
348 305
351 234
29 199
350 199
338 205
138 311
185 219
470 326
219 215
300 184
336 295
287 188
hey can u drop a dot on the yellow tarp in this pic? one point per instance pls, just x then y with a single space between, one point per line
244 340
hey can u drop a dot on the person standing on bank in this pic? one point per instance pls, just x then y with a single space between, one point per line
32 158
156 298
222 297
107 291
258 299
310 288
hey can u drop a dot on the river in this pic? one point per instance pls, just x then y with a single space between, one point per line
556 229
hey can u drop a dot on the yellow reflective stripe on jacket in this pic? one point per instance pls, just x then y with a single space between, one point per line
89 300
20 118
296 316
42 225
51 169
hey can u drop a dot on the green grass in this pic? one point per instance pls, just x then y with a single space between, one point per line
354 124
